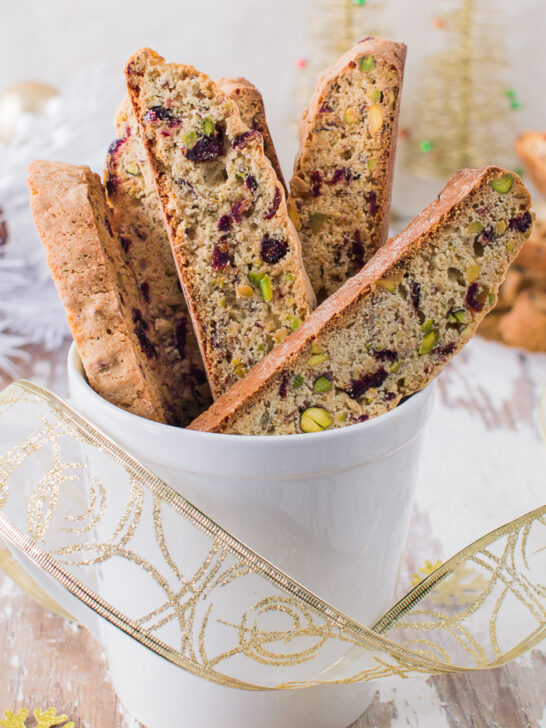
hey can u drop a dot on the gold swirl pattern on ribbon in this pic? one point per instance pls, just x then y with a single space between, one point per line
138 554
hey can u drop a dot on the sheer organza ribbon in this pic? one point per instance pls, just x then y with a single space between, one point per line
82 512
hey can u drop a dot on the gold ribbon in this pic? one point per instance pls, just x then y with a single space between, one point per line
142 557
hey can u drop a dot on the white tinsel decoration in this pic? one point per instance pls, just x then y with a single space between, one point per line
76 128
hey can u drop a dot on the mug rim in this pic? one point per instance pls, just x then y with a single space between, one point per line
76 375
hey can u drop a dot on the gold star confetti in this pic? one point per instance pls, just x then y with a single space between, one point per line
423 571
44 719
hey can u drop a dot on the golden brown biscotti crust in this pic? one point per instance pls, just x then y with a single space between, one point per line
252 109
531 147
197 133
340 203
72 220
336 311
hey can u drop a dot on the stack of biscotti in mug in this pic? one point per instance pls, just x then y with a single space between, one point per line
184 279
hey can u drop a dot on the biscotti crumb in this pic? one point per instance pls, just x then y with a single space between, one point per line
341 189
392 328
226 214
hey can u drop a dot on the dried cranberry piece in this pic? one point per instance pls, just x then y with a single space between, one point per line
366 381
325 108
158 113
224 224
316 179
242 140
250 182
362 418
415 295
371 198
207 148
220 254
111 183
274 205
181 182
343 173
388 396
238 209
145 290
180 334
521 223
116 144
283 389
108 226
445 350
483 210
147 347
125 244
472 300
138 318
487 236
273 249
368 37
385 354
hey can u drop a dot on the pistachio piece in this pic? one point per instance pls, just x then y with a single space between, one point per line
372 164
341 418
510 246
429 342
239 371
367 63
294 322
299 187
472 273
133 169
255 278
503 184
316 348
376 95
375 115
280 335
290 277
427 326
266 288
466 331
315 419
474 227
317 221
245 291
222 302
190 139
322 384
350 116
391 283
457 317
500 227
395 367
316 359
207 126
298 381
391 98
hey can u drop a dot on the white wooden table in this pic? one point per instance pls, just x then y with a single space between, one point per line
484 464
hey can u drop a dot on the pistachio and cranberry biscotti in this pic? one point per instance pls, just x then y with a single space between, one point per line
390 329
237 253
105 308
340 194
138 219
251 107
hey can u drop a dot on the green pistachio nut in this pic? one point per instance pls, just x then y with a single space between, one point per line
429 342
315 419
322 384
503 184
367 63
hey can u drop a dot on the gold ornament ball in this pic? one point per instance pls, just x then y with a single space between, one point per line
23 98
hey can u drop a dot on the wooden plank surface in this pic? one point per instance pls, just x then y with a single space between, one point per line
46 660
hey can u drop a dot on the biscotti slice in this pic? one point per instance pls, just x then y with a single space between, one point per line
390 329
340 194
251 107
531 147
237 253
138 219
103 305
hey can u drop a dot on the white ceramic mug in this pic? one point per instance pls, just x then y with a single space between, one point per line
331 509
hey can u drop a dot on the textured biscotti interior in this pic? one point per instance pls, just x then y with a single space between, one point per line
103 303
393 327
531 147
138 218
236 251
340 193
251 107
